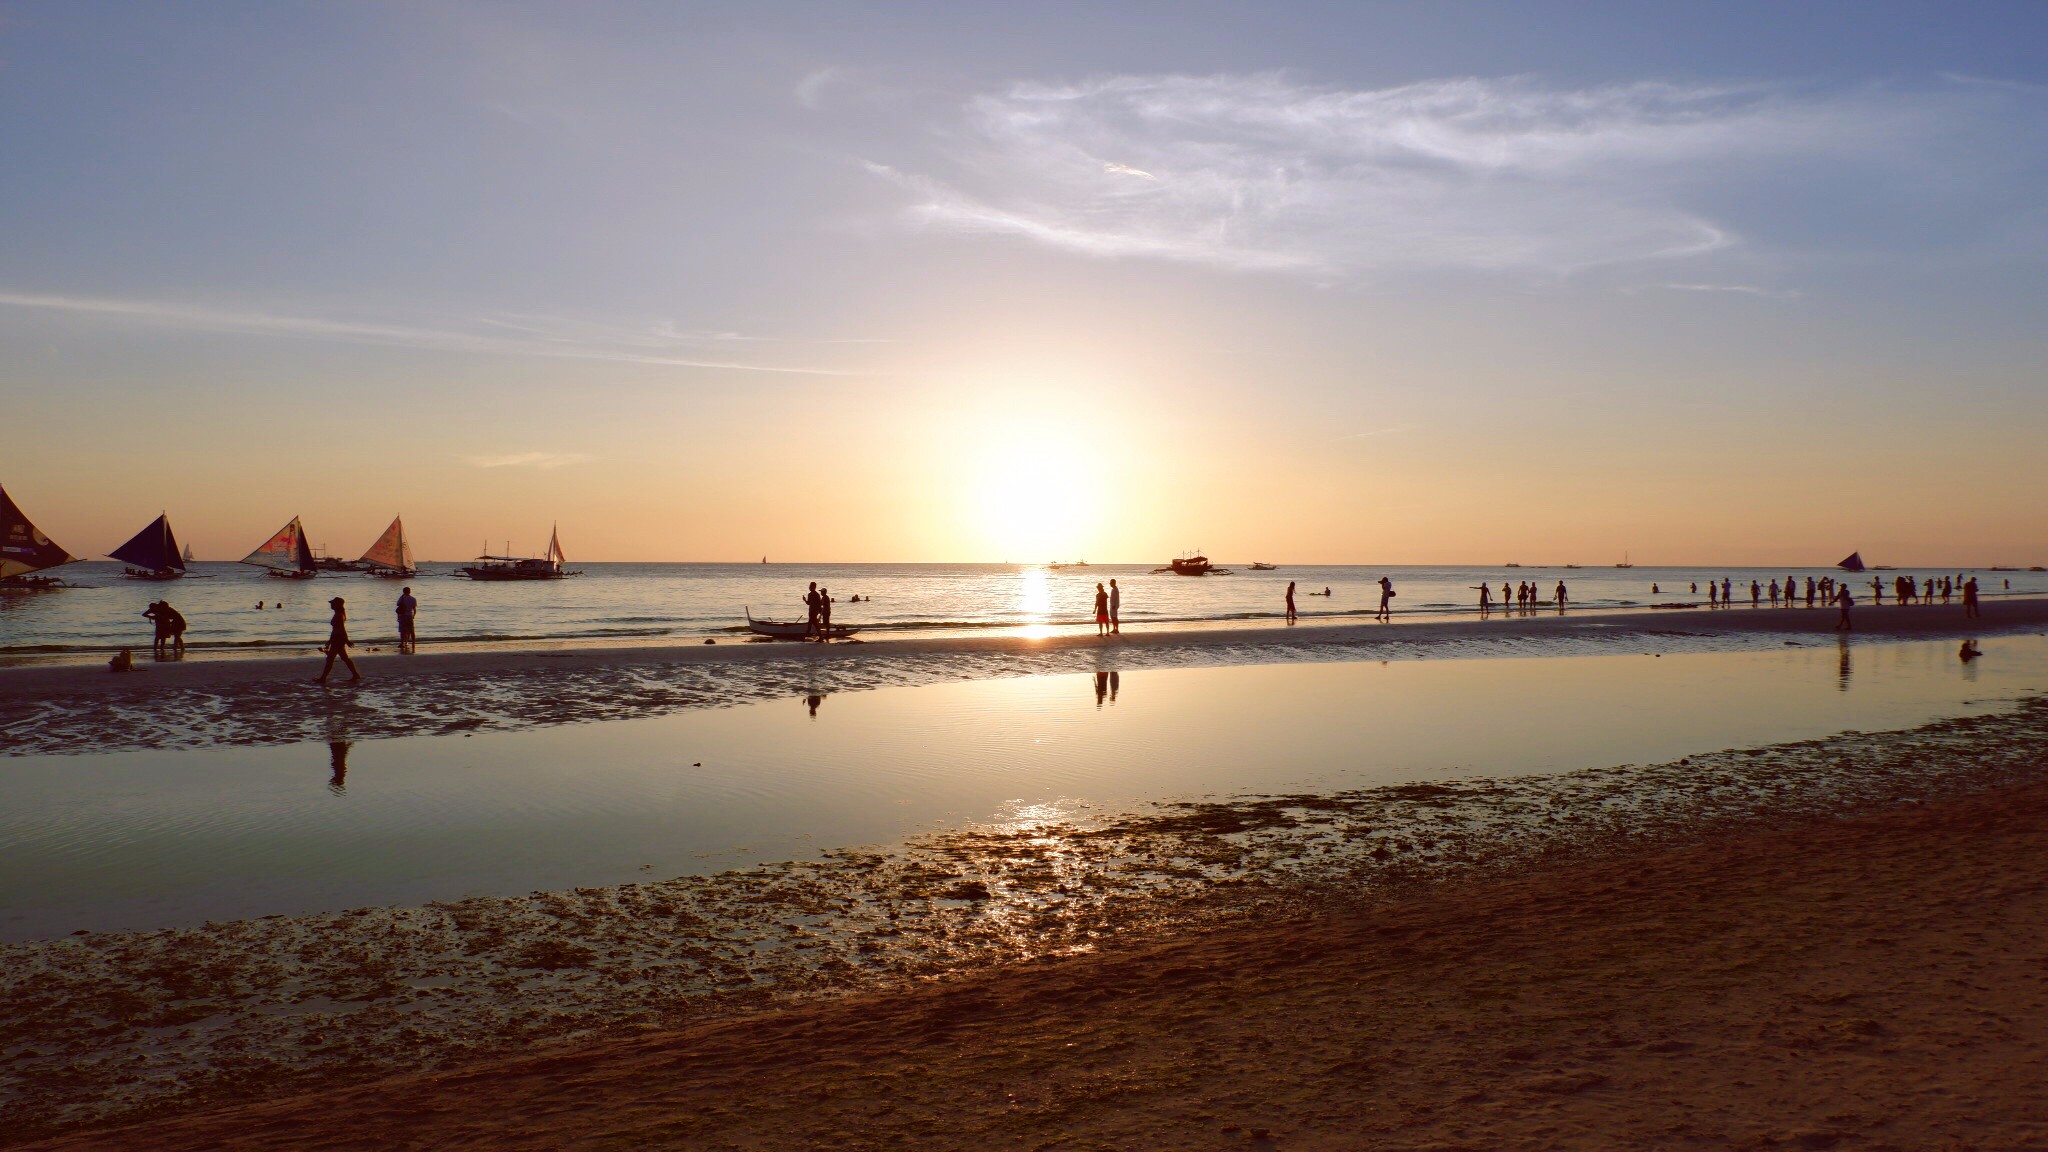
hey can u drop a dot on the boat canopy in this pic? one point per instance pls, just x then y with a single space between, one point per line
286 551
154 548
23 547
1852 563
391 550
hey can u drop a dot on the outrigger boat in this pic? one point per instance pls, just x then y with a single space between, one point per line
548 567
1193 566
390 557
796 629
1262 566
285 555
24 550
152 554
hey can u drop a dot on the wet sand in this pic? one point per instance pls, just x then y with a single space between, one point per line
1833 943
199 702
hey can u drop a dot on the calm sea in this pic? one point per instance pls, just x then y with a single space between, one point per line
644 603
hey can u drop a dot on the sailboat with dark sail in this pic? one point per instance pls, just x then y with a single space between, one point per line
285 555
390 556
548 567
152 554
25 551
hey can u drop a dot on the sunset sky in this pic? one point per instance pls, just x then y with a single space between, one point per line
1350 282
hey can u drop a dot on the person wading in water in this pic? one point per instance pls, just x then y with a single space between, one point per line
338 642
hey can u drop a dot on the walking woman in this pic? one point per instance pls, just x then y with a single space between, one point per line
1290 601
338 642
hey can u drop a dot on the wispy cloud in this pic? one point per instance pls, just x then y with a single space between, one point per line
541 460
1741 289
1261 172
659 344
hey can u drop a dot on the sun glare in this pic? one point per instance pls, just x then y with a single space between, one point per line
1036 500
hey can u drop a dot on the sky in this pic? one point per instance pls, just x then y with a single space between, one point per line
1309 283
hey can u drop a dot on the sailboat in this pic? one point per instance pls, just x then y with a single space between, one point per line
285 555
390 556
1624 562
188 555
25 550
1853 562
152 554
548 567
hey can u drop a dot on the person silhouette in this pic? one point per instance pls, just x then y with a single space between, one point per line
1970 607
1116 608
811 611
1561 596
1290 601
408 608
1101 610
825 615
338 642
1713 594
1386 611
1485 599
1844 601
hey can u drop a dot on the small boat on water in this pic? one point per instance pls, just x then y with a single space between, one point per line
548 567
285 555
795 629
1262 566
1624 562
1193 566
188 555
152 554
1853 562
390 557
24 551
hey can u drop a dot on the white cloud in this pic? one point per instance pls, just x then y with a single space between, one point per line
1261 172
1742 289
655 344
542 460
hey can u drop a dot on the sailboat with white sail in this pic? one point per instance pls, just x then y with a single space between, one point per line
152 554
548 567
285 555
25 551
390 556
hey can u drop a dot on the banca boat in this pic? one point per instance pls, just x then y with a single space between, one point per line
795 629
24 551
285 555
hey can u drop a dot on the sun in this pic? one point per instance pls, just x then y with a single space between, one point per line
1031 495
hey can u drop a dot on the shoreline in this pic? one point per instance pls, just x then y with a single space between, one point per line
38 681
202 703
1761 945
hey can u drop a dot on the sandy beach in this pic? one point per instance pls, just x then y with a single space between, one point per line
1828 943
199 702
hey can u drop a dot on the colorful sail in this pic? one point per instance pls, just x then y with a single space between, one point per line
555 552
154 548
286 551
23 547
390 552
1852 563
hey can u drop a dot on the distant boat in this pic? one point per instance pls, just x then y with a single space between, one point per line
1624 562
1511 565
1571 566
1853 562
285 555
1262 566
188 554
152 554
795 629
1193 566
548 567
390 556
25 550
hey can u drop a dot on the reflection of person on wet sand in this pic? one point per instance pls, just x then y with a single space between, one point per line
812 701
338 642
1969 651
337 760
1101 688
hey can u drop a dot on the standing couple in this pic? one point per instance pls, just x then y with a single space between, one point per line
1108 609
818 613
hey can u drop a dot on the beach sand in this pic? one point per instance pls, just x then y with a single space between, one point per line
1835 943
202 702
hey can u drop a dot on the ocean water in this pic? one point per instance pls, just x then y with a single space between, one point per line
646 603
